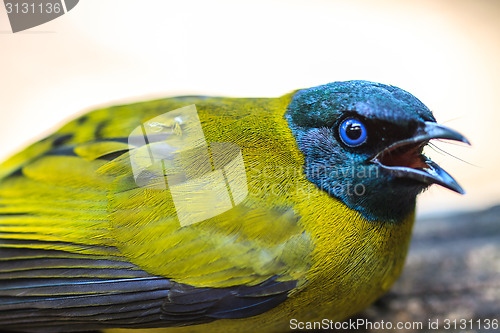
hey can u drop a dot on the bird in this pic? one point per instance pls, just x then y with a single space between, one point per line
202 213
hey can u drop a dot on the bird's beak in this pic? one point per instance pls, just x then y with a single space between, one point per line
404 158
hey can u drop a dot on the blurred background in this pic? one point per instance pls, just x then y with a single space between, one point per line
104 52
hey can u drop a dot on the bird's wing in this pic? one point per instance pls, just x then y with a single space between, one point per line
82 243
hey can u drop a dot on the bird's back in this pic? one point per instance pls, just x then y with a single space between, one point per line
78 232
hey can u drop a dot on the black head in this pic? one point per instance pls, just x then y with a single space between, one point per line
362 142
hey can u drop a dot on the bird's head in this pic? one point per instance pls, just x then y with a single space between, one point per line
363 141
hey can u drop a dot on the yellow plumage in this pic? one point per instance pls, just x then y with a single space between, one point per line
73 196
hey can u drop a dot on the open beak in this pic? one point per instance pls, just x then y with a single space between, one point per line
405 159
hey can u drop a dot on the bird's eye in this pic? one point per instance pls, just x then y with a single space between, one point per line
352 132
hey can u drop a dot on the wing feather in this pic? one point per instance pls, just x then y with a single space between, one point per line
83 246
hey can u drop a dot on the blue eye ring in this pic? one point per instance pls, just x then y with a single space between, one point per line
353 132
